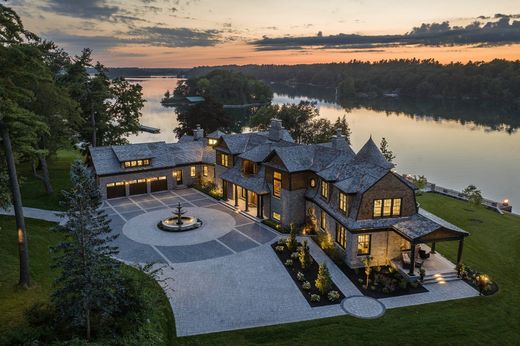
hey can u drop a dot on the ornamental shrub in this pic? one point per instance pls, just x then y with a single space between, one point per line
291 240
289 263
306 285
280 248
333 296
323 281
315 298
305 256
300 276
294 255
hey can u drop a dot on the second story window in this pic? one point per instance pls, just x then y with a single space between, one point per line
341 235
388 207
224 160
324 189
248 167
343 203
277 184
212 141
136 163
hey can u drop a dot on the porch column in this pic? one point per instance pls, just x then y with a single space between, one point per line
259 206
433 247
412 260
247 200
459 252
236 195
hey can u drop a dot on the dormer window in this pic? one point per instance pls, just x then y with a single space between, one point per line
224 160
248 167
388 207
136 163
343 203
324 189
212 141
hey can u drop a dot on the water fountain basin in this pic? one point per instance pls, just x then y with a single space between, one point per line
170 224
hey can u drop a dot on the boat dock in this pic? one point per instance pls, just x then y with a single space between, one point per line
149 129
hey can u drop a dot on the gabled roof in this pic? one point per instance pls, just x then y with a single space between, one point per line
195 99
260 152
240 142
129 152
371 154
255 183
216 134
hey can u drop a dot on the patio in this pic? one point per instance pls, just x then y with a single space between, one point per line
435 264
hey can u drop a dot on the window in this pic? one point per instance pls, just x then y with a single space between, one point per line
343 203
212 141
341 235
387 207
324 189
277 184
323 219
136 163
276 216
224 160
193 171
248 167
312 183
146 162
205 170
363 246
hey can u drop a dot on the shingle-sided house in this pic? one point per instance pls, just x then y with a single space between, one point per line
356 198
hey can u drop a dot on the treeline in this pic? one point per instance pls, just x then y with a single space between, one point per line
115 72
494 80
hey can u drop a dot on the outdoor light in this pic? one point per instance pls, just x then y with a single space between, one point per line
482 281
505 202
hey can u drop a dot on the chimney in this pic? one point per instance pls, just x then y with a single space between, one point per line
198 133
338 141
275 130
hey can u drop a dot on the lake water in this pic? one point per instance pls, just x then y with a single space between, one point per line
452 147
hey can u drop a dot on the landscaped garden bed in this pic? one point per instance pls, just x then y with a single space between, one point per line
311 276
481 282
384 281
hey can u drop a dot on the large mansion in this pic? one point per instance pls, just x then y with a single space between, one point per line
365 207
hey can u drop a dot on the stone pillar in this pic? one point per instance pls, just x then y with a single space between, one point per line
236 195
224 190
459 252
433 247
247 200
259 206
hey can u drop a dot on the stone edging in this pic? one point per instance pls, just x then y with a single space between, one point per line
363 317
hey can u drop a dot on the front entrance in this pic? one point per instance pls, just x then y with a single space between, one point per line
178 176
247 200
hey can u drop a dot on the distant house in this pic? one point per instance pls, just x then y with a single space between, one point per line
194 99
366 209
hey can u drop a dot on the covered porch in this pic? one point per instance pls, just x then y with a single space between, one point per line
244 199
423 233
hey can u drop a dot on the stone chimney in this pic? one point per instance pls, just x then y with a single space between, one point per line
198 133
275 130
338 141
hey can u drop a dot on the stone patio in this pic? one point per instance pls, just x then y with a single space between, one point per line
226 275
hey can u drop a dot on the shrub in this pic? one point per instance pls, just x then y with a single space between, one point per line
315 298
280 248
289 263
323 281
291 240
414 284
306 285
403 284
294 255
360 280
282 241
304 256
300 276
333 296
373 288
386 290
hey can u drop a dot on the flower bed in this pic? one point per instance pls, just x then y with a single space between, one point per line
479 281
305 279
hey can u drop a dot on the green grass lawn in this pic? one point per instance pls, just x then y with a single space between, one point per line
33 192
14 301
493 247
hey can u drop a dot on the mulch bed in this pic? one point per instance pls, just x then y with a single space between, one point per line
310 275
469 277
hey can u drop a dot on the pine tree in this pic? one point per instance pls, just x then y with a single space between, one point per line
323 281
385 150
291 240
90 285
304 256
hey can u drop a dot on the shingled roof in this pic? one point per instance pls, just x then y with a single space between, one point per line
371 154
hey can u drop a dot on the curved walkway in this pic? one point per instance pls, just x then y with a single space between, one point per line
35 213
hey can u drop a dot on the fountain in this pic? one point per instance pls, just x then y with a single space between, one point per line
179 222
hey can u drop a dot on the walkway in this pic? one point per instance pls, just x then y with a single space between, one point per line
34 213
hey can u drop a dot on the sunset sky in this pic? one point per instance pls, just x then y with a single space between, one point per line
178 33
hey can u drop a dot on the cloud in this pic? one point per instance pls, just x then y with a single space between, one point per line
81 8
500 32
174 37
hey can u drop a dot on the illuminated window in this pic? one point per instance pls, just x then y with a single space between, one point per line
276 216
277 184
363 247
193 171
205 170
378 207
323 219
324 189
312 183
139 162
224 160
146 162
387 207
127 164
162 178
136 163
343 203
341 235
212 141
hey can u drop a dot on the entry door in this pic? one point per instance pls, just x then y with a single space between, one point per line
178 177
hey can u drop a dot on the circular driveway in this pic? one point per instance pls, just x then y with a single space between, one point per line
143 228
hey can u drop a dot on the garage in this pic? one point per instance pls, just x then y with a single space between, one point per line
138 187
115 190
158 184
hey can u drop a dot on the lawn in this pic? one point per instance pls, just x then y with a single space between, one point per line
33 192
14 301
492 248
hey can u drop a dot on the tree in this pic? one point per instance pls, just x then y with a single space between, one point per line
5 199
304 255
21 65
342 124
368 268
89 286
473 195
209 114
323 282
385 150
291 240
420 181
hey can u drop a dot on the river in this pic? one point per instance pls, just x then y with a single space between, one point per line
453 146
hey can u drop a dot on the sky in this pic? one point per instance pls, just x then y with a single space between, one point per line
187 33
